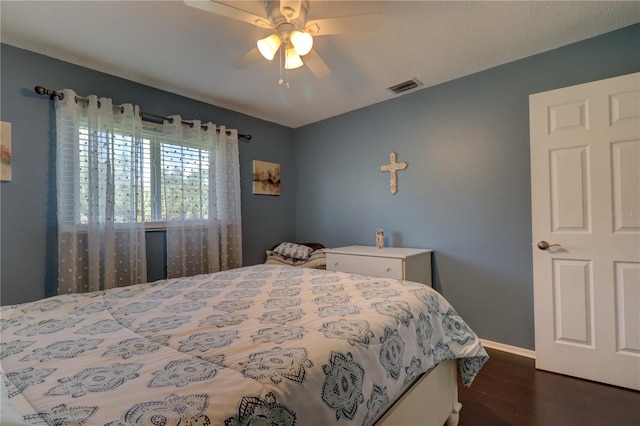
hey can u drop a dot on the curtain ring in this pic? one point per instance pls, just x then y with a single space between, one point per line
121 109
99 104
191 124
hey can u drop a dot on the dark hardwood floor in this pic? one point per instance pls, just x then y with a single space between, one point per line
510 391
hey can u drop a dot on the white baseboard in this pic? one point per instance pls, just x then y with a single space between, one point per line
508 348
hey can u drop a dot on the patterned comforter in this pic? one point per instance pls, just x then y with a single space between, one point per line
268 344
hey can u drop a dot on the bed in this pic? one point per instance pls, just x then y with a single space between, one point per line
264 344
305 255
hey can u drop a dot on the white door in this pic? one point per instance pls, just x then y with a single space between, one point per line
585 194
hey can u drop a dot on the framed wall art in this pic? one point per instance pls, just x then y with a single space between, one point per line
266 178
5 151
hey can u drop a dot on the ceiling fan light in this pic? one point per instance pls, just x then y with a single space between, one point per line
268 46
291 59
302 42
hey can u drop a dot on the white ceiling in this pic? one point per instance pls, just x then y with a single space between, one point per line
171 46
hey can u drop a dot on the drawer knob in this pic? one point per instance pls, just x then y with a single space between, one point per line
388 269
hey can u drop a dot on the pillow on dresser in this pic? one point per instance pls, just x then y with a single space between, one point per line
293 250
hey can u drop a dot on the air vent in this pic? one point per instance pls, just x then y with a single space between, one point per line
405 86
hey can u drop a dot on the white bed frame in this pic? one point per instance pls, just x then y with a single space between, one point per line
431 401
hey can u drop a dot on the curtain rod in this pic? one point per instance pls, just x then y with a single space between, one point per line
52 94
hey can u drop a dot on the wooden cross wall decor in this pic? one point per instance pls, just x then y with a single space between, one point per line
392 168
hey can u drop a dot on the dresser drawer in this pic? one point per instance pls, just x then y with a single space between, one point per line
366 265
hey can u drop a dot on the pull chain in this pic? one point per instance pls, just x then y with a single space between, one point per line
281 81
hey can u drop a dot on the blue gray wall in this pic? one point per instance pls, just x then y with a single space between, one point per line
27 203
466 192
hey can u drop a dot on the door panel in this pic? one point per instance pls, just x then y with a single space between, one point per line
585 189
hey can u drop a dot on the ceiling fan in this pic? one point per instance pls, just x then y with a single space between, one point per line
292 31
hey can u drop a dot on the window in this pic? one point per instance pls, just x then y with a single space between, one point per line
170 177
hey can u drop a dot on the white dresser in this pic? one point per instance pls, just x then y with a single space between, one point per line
391 262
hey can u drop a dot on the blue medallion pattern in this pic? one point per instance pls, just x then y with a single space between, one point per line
233 305
13 322
327 289
98 379
424 331
392 352
291 273
378 400
88 309
278 334
284 292
24 378
135 308
104 326
47 326
157 324
187 410
441 352
282 316
395 309
62 415
62 349
162 293
251 284
289 282
370 285
428 298
180 373
277 364
182 307
413 370
223 320
353 331
181 351
256 411
454 327
14 347
325 279
46 305
332 299
469 367
202 294
342 388
203 342
242 294
214 285
135 346
380 293
282 303
337 310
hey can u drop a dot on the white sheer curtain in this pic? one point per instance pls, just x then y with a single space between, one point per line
201 187
99 167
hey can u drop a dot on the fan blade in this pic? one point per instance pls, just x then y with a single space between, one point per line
229 12
249 58
315 63
345 24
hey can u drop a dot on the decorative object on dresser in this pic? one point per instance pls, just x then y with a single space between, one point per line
380 238
392 262
392 168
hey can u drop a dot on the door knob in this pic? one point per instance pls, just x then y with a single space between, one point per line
543 245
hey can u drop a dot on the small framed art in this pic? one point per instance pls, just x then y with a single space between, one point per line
266 178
